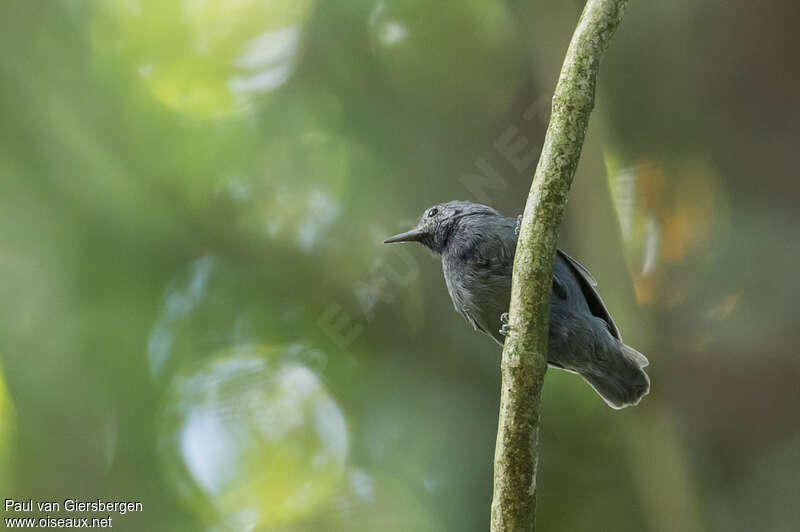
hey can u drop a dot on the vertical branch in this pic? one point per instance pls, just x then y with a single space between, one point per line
524 359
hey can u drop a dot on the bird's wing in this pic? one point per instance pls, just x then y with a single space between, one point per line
588 283
580 268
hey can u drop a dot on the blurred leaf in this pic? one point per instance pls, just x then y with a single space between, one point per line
674 222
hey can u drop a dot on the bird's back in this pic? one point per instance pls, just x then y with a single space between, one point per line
478 265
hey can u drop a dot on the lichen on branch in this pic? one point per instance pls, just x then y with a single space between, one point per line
524 360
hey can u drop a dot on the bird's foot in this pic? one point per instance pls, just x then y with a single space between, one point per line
519 224
505 327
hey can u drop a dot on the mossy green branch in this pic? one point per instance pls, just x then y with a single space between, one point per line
524 359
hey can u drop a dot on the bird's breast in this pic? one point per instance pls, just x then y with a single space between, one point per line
479 293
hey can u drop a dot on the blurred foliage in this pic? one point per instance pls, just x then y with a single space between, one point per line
202 57
7 429
196 310
669 220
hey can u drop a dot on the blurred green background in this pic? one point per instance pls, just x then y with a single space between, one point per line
197 312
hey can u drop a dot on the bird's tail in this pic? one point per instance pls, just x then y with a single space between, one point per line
623 382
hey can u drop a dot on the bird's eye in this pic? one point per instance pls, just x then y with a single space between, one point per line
432 212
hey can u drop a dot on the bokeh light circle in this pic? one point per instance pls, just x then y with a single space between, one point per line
252 439
202 58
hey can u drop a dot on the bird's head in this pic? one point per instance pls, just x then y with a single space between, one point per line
437 224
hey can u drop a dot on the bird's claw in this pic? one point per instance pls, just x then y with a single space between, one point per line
519 225
505 326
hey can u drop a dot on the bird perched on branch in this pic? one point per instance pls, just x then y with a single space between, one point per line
477 246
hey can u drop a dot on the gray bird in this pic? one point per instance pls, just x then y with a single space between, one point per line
477 246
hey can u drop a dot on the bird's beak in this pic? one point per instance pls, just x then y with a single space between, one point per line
415 235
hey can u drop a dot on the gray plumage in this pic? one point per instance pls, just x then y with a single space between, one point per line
477 246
